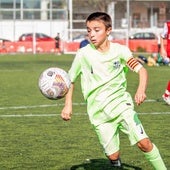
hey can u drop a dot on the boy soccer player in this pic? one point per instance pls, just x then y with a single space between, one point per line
103 79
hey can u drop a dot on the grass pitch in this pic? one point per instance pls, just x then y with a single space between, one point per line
33 136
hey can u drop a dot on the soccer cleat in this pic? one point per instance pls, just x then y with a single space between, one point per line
116 163
166 99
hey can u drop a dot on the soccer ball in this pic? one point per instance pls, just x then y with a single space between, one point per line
54 83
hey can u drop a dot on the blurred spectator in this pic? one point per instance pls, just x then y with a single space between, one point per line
57 44
156 59
152 60
84 42
142 59
159 43
165 52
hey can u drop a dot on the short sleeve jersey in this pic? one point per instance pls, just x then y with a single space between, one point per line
101 71
103 80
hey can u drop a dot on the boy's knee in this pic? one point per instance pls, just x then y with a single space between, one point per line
145 145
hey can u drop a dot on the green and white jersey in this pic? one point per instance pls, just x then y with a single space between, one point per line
103 78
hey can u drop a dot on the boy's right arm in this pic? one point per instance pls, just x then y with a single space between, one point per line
67 110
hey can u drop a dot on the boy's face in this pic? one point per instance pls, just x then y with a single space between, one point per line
97 32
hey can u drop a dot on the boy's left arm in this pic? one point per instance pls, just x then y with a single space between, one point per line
140 95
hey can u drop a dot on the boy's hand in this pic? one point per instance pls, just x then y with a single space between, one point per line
139 98
66 113
140 95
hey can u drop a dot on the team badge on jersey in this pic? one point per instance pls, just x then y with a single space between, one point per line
116 64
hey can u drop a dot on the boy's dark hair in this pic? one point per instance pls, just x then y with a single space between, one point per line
100 16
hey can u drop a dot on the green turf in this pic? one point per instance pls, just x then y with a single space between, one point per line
31 141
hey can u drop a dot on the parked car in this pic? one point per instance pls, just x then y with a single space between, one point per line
79 38
2 40
143 36
39 37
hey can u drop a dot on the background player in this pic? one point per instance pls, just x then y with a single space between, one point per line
165 53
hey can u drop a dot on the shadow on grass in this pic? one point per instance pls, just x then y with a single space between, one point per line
101 164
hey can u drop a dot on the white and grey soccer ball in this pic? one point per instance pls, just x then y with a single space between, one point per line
54 83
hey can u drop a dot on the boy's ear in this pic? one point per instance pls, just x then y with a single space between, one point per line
109 30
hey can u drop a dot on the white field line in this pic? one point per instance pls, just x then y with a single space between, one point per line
50 105
57 114
54 105
37 106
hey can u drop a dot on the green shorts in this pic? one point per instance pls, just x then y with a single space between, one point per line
127 122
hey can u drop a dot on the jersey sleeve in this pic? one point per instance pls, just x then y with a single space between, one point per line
131 62
134 64
75 69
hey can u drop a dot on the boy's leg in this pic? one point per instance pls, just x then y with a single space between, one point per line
137 132
168 86
166 95
155 159
115 159
167 90
108 135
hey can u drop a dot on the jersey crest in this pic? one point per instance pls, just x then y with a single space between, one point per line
116 64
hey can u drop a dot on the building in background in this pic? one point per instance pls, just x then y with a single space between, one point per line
68 16
143 13
24 16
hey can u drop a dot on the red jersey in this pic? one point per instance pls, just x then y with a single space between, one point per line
168 39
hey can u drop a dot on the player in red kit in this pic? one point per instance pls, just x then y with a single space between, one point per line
166 95
165 53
